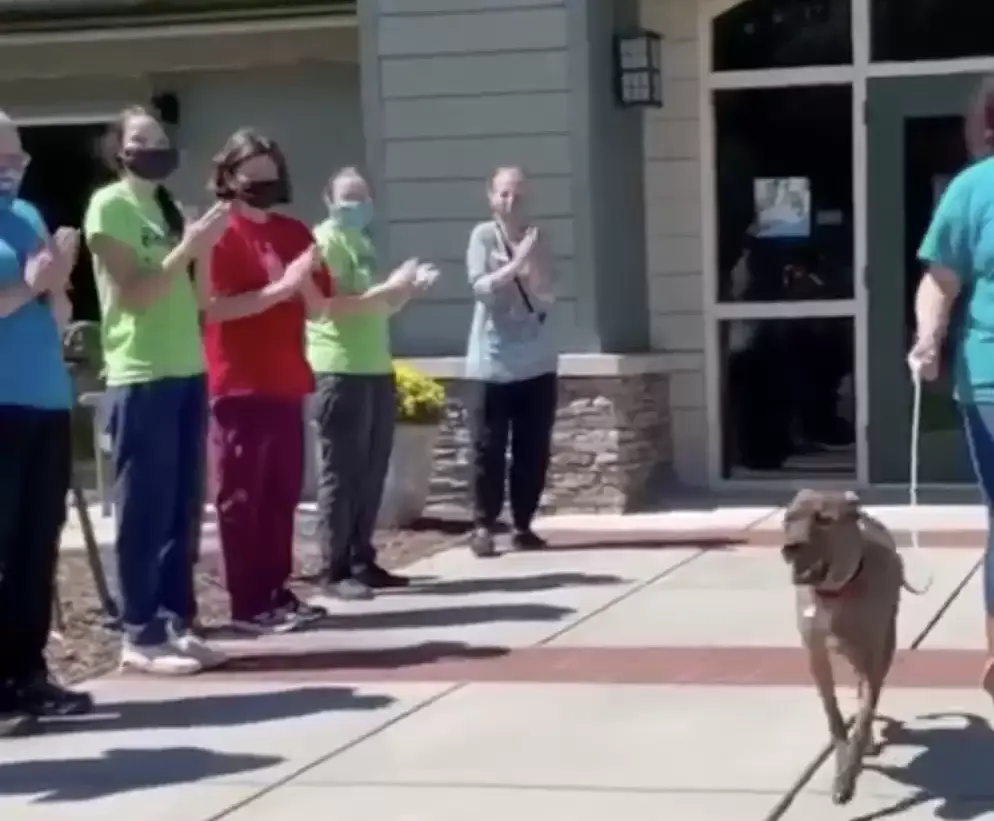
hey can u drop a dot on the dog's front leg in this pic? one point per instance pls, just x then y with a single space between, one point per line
821 671
870 685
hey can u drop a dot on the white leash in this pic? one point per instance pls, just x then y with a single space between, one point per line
916 426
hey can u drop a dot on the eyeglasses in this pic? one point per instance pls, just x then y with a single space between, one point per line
14 162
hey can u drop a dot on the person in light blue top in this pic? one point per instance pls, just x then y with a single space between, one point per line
35 450
511 362
955 302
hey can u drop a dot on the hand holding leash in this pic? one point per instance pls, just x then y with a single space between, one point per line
922 360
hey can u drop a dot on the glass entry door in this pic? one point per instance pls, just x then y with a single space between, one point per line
915 144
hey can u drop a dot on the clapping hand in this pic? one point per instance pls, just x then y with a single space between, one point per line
205 230
425 275
298 273
49 268
524 249
404 277
66 242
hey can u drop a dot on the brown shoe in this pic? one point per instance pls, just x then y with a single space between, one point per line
987 679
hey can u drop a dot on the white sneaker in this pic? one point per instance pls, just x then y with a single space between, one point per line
158 660
190 644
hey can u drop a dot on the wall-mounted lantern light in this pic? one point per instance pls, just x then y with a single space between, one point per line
638 73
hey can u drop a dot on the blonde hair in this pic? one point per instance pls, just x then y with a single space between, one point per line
504 169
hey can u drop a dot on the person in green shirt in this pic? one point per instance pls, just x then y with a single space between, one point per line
351 359
143 251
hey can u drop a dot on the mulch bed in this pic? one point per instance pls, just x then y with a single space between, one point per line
88 648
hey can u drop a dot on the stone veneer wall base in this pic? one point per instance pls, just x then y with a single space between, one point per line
611 444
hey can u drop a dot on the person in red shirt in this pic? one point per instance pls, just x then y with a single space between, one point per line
264 274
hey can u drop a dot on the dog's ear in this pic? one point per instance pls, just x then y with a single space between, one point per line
852 507
803 504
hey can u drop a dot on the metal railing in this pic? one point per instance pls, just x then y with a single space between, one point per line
80 346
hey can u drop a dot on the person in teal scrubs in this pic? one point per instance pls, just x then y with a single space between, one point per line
955 304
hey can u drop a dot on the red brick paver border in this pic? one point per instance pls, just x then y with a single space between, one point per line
718 539
697 666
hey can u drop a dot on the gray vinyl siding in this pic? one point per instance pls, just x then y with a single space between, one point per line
462 86
313 112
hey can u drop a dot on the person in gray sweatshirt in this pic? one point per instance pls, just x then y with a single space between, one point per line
511 361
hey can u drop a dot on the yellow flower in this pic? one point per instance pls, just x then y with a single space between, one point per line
420 399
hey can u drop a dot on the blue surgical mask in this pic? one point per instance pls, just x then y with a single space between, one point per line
10 184
355 215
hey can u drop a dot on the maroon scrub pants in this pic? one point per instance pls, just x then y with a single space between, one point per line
257 458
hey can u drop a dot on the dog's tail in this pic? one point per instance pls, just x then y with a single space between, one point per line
916 591
875 530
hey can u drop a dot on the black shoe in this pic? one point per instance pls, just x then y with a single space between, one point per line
14 720
482 543
45 698
349 590
528 539
304 613
377 578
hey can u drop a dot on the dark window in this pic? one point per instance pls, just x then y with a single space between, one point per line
788 398
760 34
784 194
905 30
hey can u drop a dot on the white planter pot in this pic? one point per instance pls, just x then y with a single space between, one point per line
409 476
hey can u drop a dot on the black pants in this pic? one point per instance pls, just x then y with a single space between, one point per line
356 421
35 469
523 412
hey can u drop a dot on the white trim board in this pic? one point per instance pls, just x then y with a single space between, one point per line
575 365
154 31
785 310
57 120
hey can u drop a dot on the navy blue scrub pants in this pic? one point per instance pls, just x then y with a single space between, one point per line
157 431
979 423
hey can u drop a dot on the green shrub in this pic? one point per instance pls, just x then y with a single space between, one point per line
420 399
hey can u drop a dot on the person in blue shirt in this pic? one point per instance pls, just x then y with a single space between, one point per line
35 452
955 302
511 362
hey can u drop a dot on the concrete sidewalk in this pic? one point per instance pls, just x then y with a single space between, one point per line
616 675
692 518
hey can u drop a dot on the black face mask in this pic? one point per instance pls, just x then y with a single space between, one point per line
152 164
263 194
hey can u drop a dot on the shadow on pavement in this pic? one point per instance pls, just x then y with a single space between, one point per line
561 543
514 584
379 658
228 710
121 771
456 616
953 770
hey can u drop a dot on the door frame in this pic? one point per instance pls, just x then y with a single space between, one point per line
856 75
715 312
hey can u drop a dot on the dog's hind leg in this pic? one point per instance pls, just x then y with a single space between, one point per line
876 744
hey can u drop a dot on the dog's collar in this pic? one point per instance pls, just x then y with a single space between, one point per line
845 587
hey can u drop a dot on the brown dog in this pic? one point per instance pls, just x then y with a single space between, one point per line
849 577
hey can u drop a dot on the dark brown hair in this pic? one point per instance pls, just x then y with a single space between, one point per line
243 145
110 153
980 121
